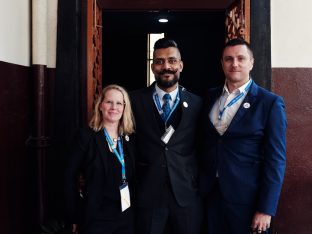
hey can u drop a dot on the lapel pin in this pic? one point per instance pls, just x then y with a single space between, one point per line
246 105
185 104
126 137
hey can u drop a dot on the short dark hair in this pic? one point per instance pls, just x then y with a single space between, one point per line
165 43
238 41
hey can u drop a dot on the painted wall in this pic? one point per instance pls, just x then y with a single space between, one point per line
15 32
17 163
292 78
291 33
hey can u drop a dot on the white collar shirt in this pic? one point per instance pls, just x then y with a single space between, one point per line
161 93
222 124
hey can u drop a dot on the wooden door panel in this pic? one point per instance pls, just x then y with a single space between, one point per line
94 54
237 22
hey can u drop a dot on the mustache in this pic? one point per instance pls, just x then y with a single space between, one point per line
165 71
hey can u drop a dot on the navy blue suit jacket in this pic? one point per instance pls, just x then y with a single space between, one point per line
250 157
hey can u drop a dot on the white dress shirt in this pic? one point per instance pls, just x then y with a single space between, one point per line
161 93
222 124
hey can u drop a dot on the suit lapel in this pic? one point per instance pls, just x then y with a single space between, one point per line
185 106
242 110
210 101
186 112
129 148
148 109
102 146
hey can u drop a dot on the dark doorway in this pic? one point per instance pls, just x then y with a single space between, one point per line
200 36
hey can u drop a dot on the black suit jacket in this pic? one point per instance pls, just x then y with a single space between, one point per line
90 156
156 161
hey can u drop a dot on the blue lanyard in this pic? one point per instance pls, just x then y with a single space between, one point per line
234 100
120 155
157 102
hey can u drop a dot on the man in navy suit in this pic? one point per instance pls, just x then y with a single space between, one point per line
166 118
244 150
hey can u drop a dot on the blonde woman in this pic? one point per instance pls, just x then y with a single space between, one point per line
104 154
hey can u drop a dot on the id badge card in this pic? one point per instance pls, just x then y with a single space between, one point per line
168 134
124 196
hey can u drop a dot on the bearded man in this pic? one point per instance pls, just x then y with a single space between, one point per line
166 163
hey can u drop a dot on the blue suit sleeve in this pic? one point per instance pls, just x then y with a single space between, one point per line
275 158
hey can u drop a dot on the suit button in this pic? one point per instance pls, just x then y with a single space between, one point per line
166 148
220 141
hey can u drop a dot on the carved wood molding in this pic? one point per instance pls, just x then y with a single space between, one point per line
237 22
94 54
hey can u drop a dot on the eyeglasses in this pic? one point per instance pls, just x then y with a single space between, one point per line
161 61
111 103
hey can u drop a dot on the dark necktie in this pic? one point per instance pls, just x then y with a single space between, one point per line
166 106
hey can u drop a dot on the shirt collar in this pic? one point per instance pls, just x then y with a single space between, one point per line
161 92
238 90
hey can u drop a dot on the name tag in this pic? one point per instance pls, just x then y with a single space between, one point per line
124 196
168 134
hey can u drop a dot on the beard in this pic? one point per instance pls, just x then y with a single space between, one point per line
164 83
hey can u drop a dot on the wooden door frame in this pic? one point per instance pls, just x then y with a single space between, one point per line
93 55
256 31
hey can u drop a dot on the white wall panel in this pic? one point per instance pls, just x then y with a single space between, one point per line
291 33
15 31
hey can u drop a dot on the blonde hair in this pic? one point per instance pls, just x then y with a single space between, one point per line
126 123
